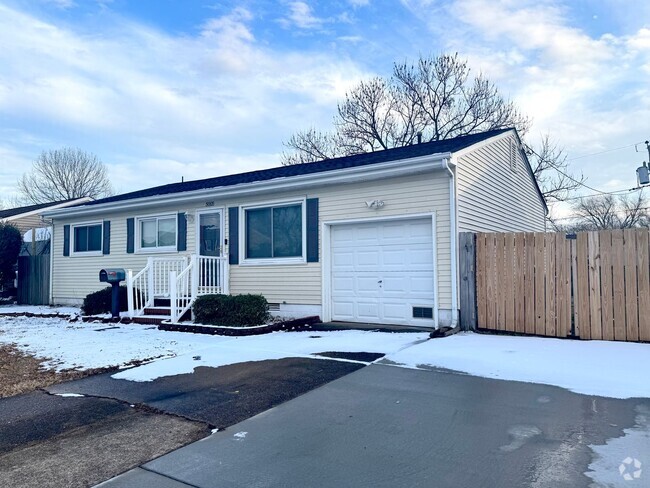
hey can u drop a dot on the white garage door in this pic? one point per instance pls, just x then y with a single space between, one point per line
382 272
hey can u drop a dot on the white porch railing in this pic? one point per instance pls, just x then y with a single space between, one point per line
177 279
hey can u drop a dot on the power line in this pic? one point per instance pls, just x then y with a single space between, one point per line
605 151
636 188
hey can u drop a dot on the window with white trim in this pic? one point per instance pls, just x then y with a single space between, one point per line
157 233
87 238
274 232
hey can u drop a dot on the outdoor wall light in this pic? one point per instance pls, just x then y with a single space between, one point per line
376 204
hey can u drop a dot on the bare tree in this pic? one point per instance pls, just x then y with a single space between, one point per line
551 170
611 212
63 174
435 99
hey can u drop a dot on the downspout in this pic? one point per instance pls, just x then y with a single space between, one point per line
453 243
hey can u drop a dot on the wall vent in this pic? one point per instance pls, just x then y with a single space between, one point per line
422 312
274 307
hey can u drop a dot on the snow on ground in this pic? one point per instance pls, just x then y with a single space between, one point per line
39 309
604 368
276 345
620 460
94 345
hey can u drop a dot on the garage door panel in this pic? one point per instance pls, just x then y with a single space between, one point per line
399 254
368 310
367 259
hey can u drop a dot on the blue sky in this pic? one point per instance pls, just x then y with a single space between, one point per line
164 89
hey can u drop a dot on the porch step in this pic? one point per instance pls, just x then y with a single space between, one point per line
150 319
158 311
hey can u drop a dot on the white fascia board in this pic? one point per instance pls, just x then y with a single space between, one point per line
389 169
485 142
47 209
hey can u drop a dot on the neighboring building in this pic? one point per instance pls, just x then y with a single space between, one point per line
29 217
366 238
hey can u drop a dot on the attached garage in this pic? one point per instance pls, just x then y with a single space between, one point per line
383 272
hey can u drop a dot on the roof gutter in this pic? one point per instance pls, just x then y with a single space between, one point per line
453 244
389 169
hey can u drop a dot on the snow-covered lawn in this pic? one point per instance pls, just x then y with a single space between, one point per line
605 368
39 309
95 345
612 369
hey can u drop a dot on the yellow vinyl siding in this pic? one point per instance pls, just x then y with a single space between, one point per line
75 277
494 198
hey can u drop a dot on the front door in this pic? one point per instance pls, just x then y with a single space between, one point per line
210 235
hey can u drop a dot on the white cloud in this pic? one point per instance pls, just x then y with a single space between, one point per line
131 93
301 15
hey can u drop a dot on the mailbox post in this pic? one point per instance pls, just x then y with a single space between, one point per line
113 276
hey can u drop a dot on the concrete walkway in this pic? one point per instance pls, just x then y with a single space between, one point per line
384 426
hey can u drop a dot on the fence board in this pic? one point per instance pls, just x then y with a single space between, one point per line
606 283
508 285
540 296
550 284
563 292
490 247
582 252
618 284
529 283
500 281
631 291
519 270
575 323
481 282
643 282
595 313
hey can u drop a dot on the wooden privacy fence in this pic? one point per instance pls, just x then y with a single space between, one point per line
34 280
592 285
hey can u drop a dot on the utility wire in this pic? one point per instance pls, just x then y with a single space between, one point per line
603 152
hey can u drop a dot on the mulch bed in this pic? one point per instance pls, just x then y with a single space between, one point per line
287 325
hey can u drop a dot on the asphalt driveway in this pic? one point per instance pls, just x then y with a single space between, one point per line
389 426
101 427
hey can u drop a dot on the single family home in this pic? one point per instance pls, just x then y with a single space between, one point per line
366 238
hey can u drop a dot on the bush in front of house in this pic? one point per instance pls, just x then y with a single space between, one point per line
99 302
231 310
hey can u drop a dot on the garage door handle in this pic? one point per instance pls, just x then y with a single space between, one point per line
380 281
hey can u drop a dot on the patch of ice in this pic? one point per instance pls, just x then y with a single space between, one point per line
69 395
629 454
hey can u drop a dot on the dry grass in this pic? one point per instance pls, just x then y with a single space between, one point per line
22 373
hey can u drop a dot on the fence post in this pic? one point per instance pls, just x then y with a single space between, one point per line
467 268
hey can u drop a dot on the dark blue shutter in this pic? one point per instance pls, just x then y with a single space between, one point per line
233 235
66 240
130 235
312 230
182 232
106 247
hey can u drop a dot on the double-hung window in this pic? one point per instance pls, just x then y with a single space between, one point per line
157 233
274 232
87 238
